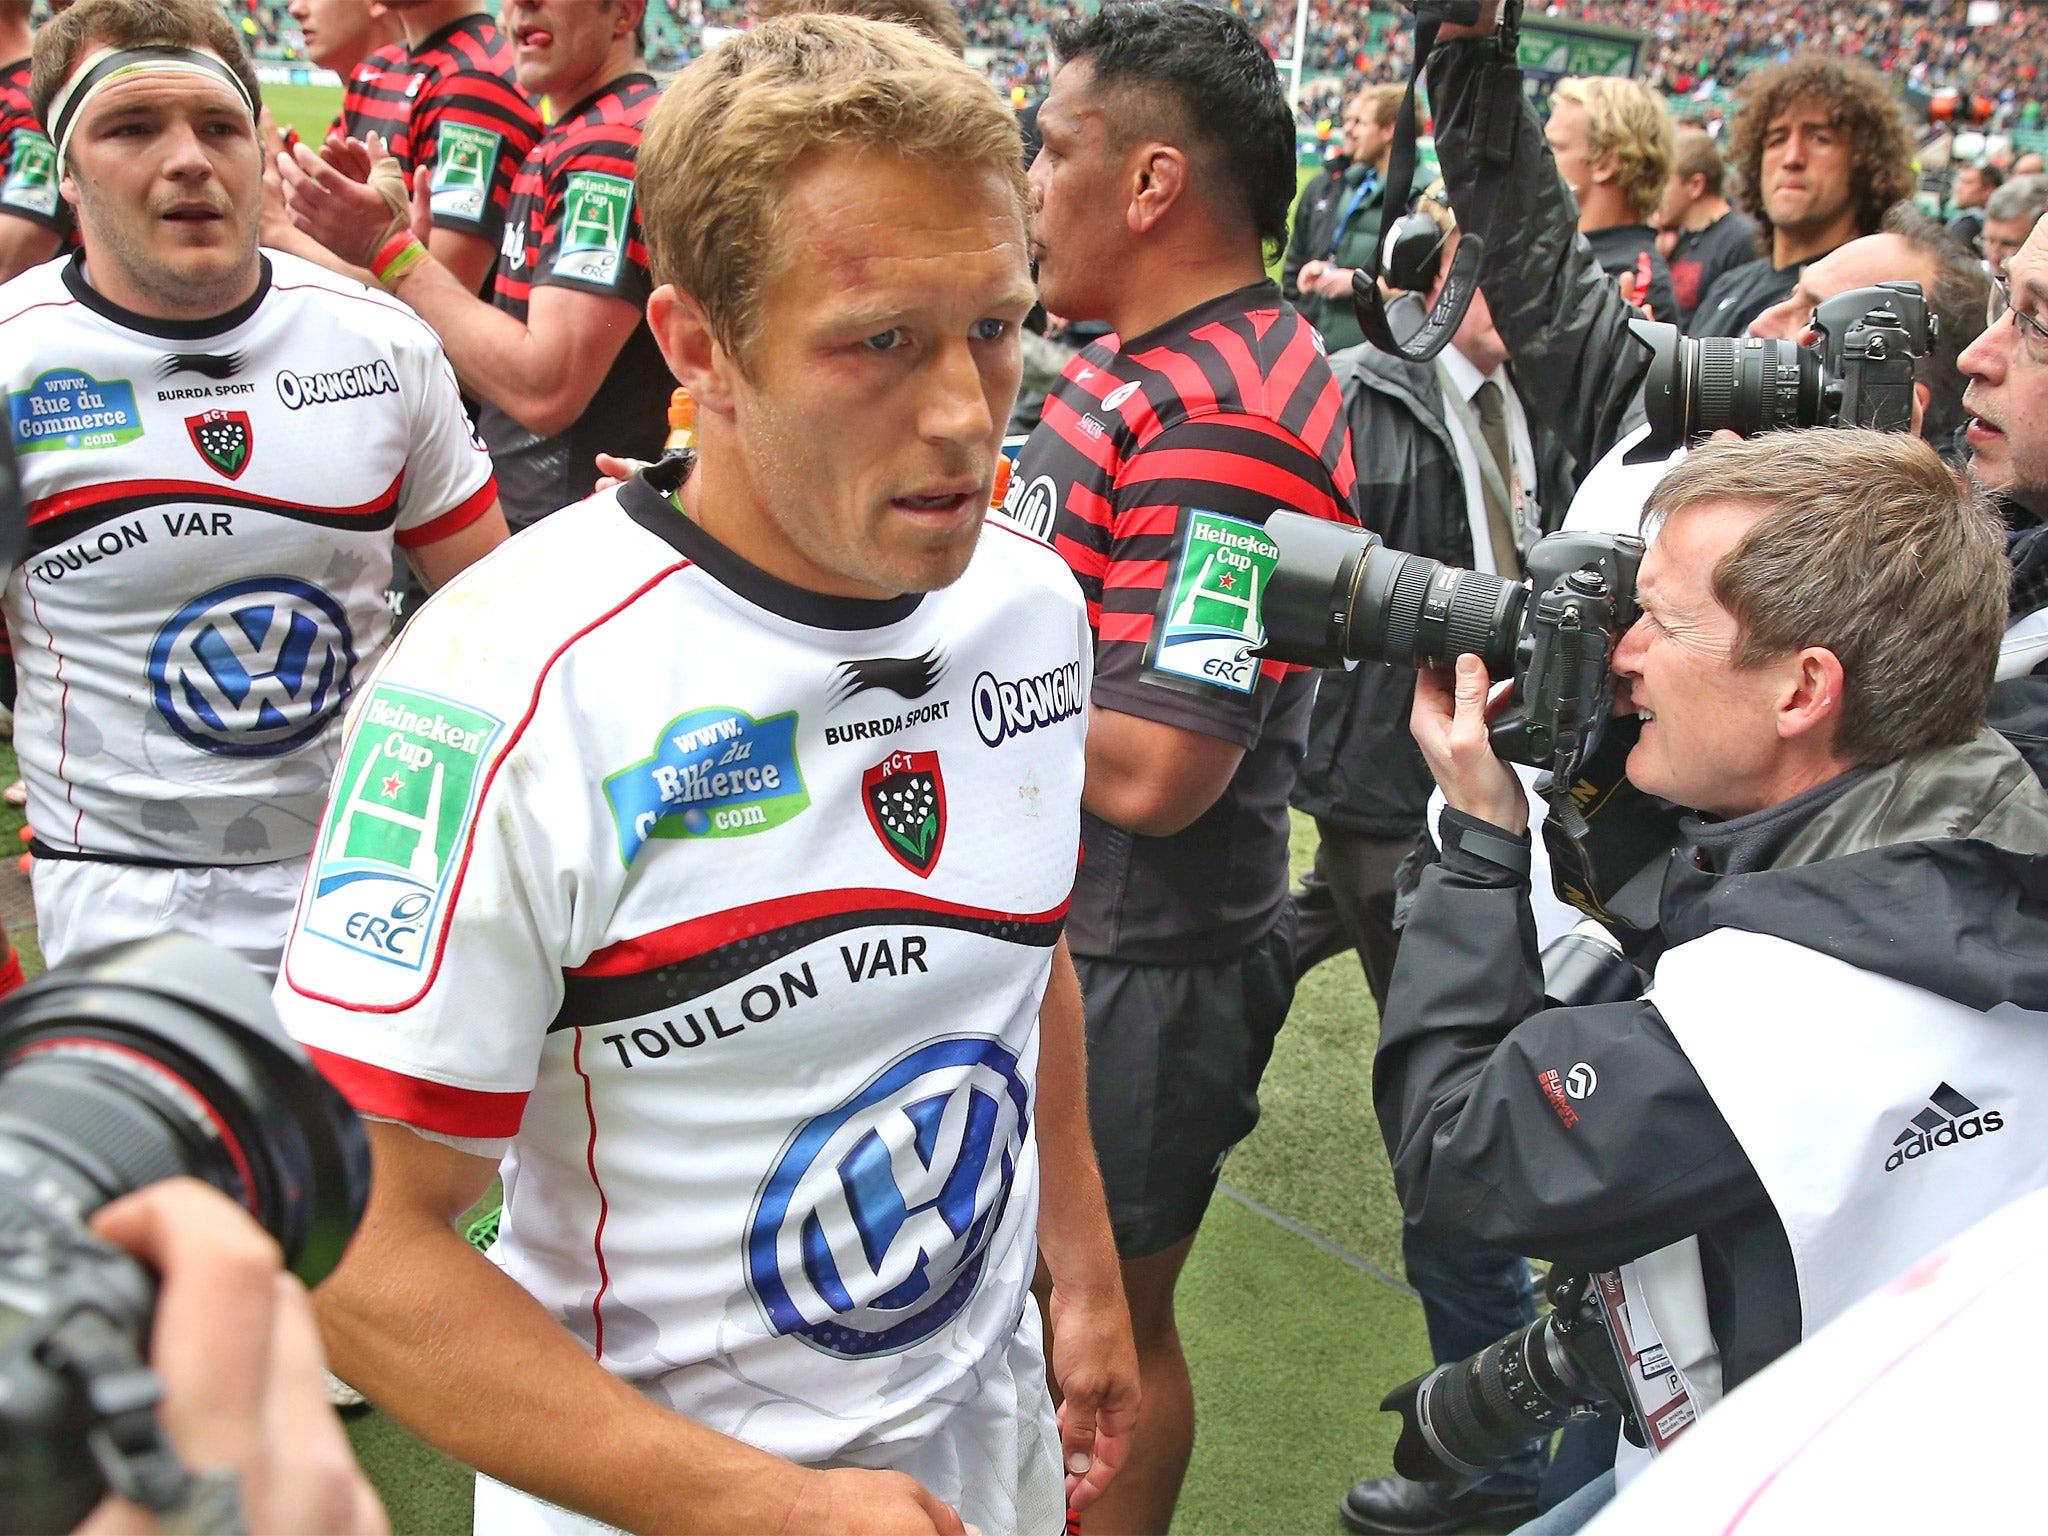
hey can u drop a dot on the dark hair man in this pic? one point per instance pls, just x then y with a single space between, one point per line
33 218
1973 188
731 884
1611 141
1709 236
2010 216
222 450
1452 464
1819 1088
1820 151
560 358
1163 182
1337 217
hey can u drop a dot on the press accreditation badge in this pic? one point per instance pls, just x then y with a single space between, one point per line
1658 1392
1209 620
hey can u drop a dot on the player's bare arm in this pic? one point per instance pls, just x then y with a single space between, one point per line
438 562
1093 1358
1152 778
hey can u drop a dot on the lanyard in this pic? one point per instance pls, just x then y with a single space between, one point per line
1359 194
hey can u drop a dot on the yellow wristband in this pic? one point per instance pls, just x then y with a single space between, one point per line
398 256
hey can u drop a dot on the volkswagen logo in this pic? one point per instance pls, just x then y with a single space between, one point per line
253 669
873 1228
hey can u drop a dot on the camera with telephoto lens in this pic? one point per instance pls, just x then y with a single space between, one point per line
148 1060
1338 595
1463 1419
1859 374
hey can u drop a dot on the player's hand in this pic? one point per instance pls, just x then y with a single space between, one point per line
273 221
848 1501
1449 724
1096 1364
351 157
239 1358
613 470
351 218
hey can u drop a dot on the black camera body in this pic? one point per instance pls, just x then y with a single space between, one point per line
1858 374
149 1060
1338 595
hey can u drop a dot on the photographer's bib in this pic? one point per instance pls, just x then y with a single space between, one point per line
1881 1118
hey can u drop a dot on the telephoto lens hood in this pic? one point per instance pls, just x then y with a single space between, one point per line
163 1056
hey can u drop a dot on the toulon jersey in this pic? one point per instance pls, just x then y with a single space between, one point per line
732 906
211 513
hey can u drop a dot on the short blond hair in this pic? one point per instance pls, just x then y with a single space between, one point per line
726 138
1628 130
1867 545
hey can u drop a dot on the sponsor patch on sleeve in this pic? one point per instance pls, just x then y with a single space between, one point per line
597 216
401 816
31 183
1209 621
716 772
465 160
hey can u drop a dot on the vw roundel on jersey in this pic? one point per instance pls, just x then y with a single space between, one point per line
212 511
750 920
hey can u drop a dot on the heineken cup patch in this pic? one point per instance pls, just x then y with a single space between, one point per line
597 216
224 439
905 795
1209 622
465 158
31 183
400 819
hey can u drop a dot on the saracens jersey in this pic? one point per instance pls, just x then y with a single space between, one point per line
212 508
733 906
451 108
1153 470
575 224
28 163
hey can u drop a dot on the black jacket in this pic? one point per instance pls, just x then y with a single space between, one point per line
1561 315
1933 871
1362 769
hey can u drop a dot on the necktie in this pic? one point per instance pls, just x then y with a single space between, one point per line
1500 517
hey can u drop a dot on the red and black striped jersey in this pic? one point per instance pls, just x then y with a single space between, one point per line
575 223
28 165
1153 470
451 107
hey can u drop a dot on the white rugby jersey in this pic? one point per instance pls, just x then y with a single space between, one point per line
733 905
212 508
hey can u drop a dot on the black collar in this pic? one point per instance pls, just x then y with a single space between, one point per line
645 499
169 330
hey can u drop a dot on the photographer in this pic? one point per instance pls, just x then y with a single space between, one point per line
2010 217
1823 1084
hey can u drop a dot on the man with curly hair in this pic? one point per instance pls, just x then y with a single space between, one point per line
1821 151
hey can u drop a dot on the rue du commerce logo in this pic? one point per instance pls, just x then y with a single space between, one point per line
1950 1117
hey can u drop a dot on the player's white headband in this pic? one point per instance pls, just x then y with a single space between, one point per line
103 68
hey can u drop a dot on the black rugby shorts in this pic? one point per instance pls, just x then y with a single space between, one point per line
1175 1054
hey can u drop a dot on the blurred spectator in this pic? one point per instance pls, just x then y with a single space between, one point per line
1820 150
2029 164
1973 189
1337 219
1707 236
2010 216
1611 139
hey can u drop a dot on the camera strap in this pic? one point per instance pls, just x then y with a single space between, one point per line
1462 281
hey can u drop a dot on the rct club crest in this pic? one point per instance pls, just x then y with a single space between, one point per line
224 439
253 669
906 801
873 1228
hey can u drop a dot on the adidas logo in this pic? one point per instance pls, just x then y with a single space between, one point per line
1948 1119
